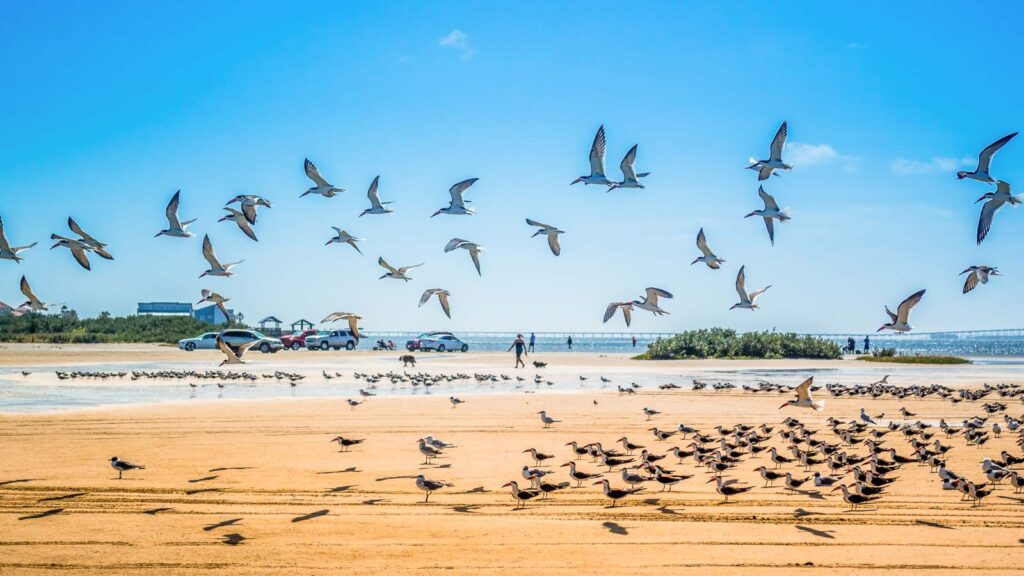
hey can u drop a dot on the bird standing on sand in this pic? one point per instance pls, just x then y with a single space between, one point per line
630 179
239 218
249 204
7 252
803 397
396 273
33 303
442 297
233 354
978 274
121 466
728 490
471 247
709 258
616 494
323 187
627 311
429 452
214 298
900 321
175 227
596 175
551 232
455 401
344 237
353 321
429 486
996 200
766 168
457 205
216 268
981 173
650 301
347 443
521 496
746 299
852 499
376 206
547 420
770 213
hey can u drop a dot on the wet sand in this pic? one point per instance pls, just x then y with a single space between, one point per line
256 487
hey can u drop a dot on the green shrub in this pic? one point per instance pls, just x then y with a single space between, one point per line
726 343
66 327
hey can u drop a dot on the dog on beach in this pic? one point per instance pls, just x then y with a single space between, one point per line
407 359
539 364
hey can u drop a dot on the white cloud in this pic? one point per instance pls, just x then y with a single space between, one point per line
801 154
458 40
936 164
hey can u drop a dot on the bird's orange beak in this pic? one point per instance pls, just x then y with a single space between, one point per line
784 405
598 482
564 465
710 481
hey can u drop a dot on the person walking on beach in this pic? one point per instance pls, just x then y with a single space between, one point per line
520 345
569 342
867 344
634 341
533 340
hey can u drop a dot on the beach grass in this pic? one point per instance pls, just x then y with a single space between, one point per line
928 359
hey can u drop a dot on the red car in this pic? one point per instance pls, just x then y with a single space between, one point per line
296 340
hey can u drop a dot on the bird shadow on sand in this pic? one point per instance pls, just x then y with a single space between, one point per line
64 497
338 489
933 524
477 490
374 501
383 478
466 508
651 501
816 532
231 468
666 510
1012 499
810 493
801 513
201 491
21 481
221 524
203 479
345 471
51 512
233 539
311 515
615 528
155 511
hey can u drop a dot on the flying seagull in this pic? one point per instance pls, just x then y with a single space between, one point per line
233 354
765 168
457 206
353 321
985 161
77 247
630 179
442 297
899 321
217 299
746 300
323 187
650 301
216 268
1002 195
978 274
471 247
7 252
396 273
771 211
33 302
551 232
97 246
803 397
249 203
175 227
344 238
376 206
239 218
596 175
709 258
627 310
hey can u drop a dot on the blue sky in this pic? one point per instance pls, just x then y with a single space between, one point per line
108 111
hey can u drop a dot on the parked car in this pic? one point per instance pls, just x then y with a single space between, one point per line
233 337
440 341
297 340
207 341
336 339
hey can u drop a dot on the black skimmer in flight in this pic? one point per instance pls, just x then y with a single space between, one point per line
630 179
981 173
803 397
978 274
770 213
442 297
233 354
900 321
8 252
376 206
239 219
353 321
343 237
551 232
216 268
597 150
471 247
457 205
747 299
995 201
709 258
322 187
175 227
396 273
766 168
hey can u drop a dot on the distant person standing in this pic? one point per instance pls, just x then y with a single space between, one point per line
520 345
533 340
569 342
867 344
850 345
634 341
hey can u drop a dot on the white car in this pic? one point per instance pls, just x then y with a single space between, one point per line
336 339
439 341
233 337
207 341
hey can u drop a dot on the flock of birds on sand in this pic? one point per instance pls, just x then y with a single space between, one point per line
81 245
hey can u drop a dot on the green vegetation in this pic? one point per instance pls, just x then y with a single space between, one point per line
66 327
725 343
890 355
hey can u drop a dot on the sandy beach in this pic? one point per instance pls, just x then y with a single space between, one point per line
256 487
